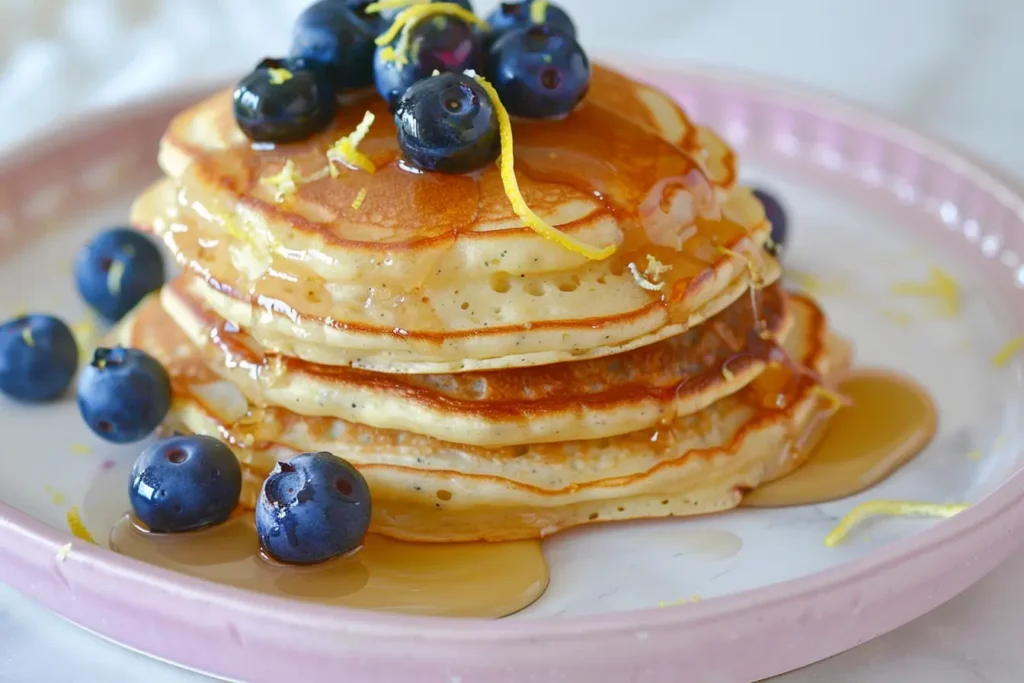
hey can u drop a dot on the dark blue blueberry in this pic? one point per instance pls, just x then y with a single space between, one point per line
312 508
338 35
448 123
38 358
124 394
776 215
284 100
539 72
185 483
510 16
441 44
116 270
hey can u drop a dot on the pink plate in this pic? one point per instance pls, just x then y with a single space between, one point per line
791 610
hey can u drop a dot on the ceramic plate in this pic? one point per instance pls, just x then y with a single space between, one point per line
873 204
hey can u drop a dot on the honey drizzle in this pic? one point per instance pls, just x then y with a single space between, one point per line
889 421
483 580
593 153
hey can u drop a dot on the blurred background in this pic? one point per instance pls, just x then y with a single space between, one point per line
951 66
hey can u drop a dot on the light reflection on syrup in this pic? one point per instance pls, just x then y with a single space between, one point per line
484 580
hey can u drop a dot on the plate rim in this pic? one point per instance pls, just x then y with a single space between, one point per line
27 542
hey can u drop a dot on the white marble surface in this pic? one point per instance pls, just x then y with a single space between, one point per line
945 65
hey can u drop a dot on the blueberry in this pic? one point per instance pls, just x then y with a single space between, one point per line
116 270
539 72
38 358
776 215
124 394
312 508
338 35
515 15
448 123
185 483
284 100
442 44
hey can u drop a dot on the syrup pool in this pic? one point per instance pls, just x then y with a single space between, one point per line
487 580
889 421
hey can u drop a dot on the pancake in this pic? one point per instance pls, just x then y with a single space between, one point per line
646 105
434 491
409 272
588 173
587 399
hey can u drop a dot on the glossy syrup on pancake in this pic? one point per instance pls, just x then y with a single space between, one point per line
455 580
427 489
587 399
607 173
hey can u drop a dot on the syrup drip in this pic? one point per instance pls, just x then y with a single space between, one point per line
483 580
891 420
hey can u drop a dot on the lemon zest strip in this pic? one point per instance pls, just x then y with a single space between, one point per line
835 399
940 285
410 17
383 5
357 203
655 268
26 336
279 76
77 526
539 11
1006 354
234 230
285 183
345 150
643 281
680 602
80 449
889 508
506 163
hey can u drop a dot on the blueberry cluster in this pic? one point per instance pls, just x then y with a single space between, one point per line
39 353
313 508
422 61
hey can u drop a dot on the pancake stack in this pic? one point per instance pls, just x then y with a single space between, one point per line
490 383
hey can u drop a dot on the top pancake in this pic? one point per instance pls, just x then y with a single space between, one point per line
607 174
404 271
